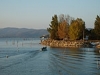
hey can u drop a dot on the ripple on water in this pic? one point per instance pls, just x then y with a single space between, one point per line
74 62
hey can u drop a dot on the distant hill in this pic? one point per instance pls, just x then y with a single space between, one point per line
22 33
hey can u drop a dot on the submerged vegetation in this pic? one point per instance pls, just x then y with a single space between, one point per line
66 27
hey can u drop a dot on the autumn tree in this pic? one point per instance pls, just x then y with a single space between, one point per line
63 27
97 27
53 28
76 29
63 30
66 18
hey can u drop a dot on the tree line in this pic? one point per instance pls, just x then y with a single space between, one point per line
66 27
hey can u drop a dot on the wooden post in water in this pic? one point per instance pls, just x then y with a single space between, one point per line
98 64
83 35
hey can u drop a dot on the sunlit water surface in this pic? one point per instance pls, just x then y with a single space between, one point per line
24 57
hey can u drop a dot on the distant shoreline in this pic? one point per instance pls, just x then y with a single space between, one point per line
22 33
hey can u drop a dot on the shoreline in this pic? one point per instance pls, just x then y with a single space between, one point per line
62 43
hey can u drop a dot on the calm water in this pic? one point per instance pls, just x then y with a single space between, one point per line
24 57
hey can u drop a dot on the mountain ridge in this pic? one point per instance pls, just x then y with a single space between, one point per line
21 32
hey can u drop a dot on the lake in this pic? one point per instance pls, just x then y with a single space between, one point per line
20 56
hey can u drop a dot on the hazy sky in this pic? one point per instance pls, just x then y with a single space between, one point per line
37 14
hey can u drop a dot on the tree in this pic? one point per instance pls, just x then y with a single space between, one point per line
63 30
53 28
61 18
63 27
92 35
66 18
97 27
76 29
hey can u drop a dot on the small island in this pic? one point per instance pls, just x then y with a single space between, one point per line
69 32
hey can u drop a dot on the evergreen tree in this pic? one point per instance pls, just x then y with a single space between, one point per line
97 27
53 28
92 35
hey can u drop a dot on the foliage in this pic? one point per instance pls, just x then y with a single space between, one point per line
63 30
97 27
66 18
92 35
76 29
53 28
63 27
66 27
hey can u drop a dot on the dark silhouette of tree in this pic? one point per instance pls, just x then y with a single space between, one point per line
97 27
92 35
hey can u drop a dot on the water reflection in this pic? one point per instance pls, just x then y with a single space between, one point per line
74 61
